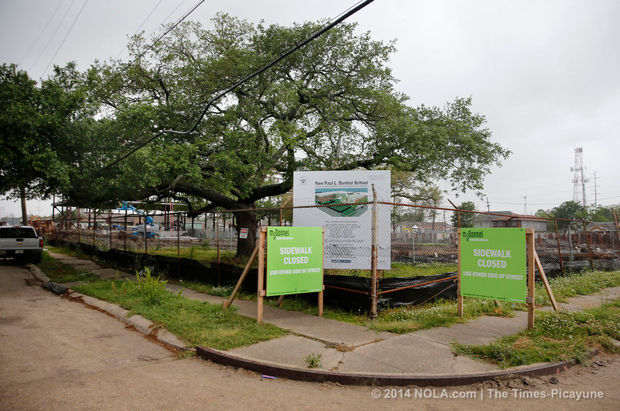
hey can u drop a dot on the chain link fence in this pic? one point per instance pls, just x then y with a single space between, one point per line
416 246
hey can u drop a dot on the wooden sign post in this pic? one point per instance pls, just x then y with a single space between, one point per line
302 269
261 274
529 239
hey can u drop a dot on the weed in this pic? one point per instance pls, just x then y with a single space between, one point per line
313 360
153 289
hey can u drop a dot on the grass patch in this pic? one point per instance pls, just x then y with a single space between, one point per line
556 336
220 291
197 252
60 272
402 319
584 283
195 322
402 270
69 251
440 313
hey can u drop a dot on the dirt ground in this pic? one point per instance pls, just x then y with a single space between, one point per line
58 354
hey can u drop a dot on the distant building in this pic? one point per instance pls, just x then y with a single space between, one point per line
602 227
518 221
423 231
11 220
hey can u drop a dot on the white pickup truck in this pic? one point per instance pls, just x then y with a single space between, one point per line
21 242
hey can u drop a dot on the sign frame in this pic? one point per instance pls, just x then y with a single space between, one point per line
493 263
532 262
294 260
340 202
261 291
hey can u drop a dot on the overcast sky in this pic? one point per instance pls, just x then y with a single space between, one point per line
546 74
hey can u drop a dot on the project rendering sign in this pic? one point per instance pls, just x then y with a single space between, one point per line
493 263
344 216
294 260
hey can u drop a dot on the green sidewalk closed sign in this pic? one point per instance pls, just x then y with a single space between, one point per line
294 260
493 263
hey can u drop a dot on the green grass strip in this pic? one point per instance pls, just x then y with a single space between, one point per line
556 336
572 285
196 323
60 272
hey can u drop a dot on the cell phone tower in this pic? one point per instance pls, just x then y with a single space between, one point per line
579 181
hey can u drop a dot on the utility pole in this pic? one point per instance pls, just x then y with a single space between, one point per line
488 205
524 205
595 192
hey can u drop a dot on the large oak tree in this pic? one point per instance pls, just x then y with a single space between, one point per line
331 105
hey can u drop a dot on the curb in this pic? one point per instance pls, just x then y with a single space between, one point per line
37 273
136 322
309 375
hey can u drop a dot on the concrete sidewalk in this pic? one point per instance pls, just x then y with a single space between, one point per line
345 347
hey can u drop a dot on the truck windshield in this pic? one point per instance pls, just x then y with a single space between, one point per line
17 232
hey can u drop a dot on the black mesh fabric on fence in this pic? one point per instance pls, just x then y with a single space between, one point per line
340 290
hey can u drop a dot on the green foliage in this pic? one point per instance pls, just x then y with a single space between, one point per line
569 210
574 284
330 105
601 214
39 129
63 273
466 219
153 289
313 360
441 313
556 336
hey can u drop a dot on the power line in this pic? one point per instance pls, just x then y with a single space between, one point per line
150 46
341 17
65 38
172 12
62 20
142 24
36 40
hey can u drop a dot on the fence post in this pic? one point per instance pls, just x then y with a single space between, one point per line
178 248
585 231
570 244
261 274
146 251
110 229
95 228
557 236
529 234
615 213
373 258
459 296
125 237
79 227
217 242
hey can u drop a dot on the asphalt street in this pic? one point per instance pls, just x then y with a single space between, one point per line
59 354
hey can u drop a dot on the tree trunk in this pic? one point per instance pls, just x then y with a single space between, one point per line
22 195
246 219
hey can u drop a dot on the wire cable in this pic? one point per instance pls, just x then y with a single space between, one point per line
77 16
141 25
150 46
341 17
62 20
36 40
